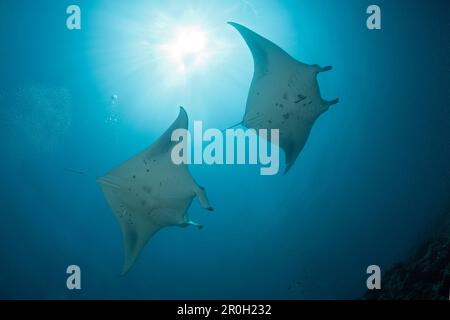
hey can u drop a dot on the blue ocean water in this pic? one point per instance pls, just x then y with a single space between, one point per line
374 175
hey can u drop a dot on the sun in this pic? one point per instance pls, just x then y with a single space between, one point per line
187 50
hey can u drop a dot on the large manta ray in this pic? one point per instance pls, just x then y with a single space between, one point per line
149 192
284 94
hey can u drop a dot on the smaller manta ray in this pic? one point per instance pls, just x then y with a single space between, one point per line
149 192
284 94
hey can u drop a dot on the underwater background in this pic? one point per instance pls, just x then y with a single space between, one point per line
372 181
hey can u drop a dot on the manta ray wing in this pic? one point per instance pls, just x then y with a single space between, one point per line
149 192
284 94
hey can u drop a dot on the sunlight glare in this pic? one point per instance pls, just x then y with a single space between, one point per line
188 49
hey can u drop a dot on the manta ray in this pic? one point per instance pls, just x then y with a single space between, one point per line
149 192
284 94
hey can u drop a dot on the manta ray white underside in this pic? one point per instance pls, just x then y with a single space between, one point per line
284 94
149 192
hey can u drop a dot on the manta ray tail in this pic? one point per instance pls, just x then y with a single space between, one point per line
81 173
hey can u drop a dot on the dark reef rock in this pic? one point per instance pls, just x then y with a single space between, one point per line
424 277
